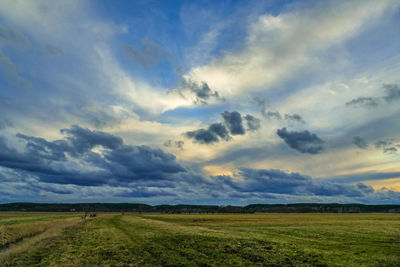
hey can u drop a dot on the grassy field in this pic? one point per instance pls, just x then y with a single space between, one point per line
56 239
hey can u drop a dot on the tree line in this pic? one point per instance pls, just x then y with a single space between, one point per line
177 209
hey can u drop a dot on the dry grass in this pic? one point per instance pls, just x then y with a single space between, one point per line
13 233
31 234
213 240
12 218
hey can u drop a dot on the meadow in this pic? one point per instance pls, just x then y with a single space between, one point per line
115 239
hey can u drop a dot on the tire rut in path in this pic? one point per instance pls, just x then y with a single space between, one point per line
24 243
116 222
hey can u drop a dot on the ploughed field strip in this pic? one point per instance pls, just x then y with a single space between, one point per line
204 240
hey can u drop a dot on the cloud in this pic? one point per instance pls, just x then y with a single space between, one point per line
8 34
272 115
220 130
232 125
359 142
363 102
203 136
233 121
276 181
267 55
361 177
5 124
74 160
388 146
143 172
392 92
252 122
294 117
278 47
39 148
201 91
382 143
304 142
10 70
53 49
84 140
210 135
390 150
263 103
145 193
178 144
276 115
260 101
148 56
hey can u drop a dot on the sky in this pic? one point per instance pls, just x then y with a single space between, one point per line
200 102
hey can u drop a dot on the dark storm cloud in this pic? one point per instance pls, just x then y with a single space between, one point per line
145 193
30 160
359 142
83 140
392 92
272 115
232 125
141 162
149 173
275 115
202 92
203 136
294 117
252 122
382 143
390 150
365 176
39 148
234 122
178 144
388 146
210 135
48 188
274 181
304 142
363 102
220 130
248 195
117 164
268 181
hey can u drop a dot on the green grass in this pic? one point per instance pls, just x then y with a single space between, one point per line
217 240
11 218
15 227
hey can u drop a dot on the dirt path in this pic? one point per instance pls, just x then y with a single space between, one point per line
24 243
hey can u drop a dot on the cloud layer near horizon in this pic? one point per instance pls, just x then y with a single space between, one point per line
94 159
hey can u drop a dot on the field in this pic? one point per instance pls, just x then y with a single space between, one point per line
115 239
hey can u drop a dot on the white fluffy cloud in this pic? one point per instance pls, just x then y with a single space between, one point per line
277 47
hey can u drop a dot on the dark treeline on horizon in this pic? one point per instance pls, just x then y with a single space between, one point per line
176 209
